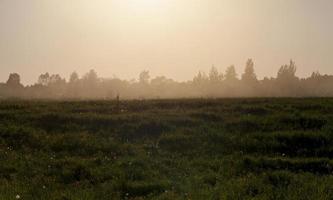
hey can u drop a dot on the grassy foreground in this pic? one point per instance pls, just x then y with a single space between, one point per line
167 149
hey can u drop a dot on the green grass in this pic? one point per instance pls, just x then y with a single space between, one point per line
167 149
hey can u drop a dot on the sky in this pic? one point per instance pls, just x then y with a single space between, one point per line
175 38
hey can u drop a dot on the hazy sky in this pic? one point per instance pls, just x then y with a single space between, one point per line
176 38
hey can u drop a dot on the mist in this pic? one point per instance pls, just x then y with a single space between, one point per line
212 84
167 37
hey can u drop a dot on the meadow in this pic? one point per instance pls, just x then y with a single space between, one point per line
273 148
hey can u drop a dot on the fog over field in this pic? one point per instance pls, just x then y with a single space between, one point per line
166 99
213 84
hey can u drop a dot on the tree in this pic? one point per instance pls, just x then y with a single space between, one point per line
90 85
160 81
214 76
14 80
73 89
315 75
287 72
91 77
230 74
44 79
249 77
287 82
56 79
74 77
144 77
200 78
161 85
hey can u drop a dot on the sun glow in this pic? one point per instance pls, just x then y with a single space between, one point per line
147 5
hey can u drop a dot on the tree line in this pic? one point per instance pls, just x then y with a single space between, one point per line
215 84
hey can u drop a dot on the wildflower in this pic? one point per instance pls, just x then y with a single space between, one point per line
17 196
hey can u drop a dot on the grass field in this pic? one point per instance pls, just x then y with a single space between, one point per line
167 149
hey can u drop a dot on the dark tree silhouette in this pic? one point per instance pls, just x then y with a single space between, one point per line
44 79
287 82
287 72
74 77
90 86
91 77
14 80
249 77
56 79
200 79
144 77
214 76
230 74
